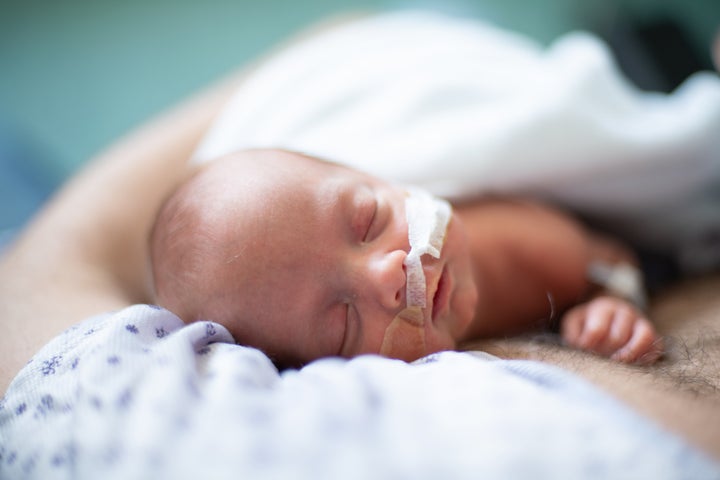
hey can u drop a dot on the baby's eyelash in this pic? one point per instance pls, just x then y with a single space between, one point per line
370 221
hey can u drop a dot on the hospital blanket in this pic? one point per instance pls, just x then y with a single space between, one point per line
464 109
135 394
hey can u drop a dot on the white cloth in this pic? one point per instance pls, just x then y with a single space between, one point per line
135 394
461 108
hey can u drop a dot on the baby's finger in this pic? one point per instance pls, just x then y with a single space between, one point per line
640 345
596 327
619 333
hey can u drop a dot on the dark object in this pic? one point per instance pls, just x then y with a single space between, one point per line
656 55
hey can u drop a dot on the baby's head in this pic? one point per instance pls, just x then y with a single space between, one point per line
303 258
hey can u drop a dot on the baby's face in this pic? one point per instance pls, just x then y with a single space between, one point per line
317 268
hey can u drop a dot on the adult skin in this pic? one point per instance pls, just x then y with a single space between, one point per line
681 391
86 252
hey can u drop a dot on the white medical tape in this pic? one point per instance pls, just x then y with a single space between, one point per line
621 279
427 218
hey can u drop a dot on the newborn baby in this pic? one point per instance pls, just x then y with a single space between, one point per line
303 258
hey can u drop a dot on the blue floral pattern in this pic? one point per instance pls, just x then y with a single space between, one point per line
49 366
98 346
190 403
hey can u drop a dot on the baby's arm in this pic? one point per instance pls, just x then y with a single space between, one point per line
529 251
607 324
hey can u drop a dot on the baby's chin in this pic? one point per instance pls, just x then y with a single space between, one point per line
463 306
439 342
168 302
447 331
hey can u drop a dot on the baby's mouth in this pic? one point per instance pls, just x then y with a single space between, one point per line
442 294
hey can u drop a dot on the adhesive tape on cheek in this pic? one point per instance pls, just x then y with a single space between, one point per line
427 218
405 336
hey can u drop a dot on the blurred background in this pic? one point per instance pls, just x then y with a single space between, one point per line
77 74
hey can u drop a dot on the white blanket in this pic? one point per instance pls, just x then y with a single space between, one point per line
136 394
463 109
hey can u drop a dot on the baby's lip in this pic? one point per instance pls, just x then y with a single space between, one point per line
438 301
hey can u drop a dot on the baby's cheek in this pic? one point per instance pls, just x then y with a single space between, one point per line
405 336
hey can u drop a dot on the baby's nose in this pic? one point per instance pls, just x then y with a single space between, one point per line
386 279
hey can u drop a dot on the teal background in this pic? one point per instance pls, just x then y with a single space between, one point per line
77 74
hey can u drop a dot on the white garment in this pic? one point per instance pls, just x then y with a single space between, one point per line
135 394
462 108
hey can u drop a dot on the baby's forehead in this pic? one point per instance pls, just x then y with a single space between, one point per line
270 190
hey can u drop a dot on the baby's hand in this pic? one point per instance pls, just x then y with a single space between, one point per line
614 328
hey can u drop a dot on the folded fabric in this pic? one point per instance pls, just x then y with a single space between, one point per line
464 109
135 394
